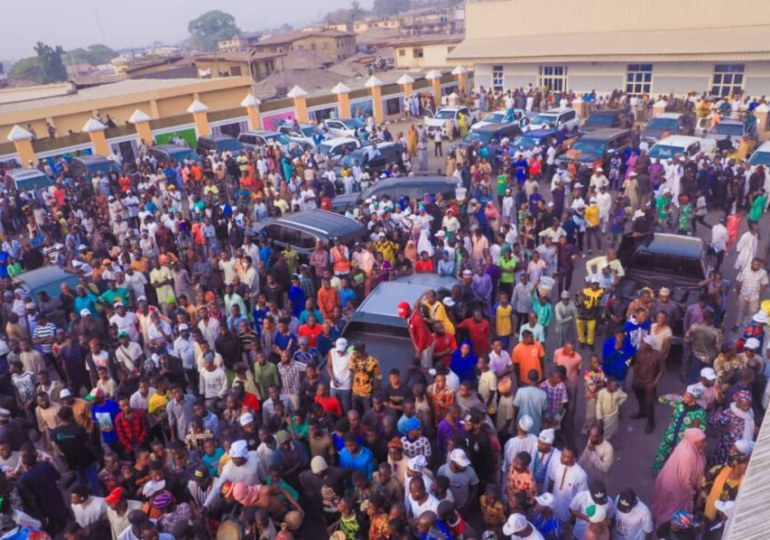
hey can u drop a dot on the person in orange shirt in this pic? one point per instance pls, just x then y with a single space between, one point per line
528 354
328 299
197 172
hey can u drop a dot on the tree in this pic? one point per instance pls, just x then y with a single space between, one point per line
211 27
356 12
27 69
390 7
94 55
51 63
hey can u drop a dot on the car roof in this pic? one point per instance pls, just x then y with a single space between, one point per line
497 126
669 115
338 140
322 221
545 132
41 277
380 146
731 121
607 112
558 111
260 132
679 140
690 247
764 147
92 158
167 147
381 305
217 137
388 182
24 172
452 108
607 133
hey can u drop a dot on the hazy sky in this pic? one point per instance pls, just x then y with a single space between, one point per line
132 23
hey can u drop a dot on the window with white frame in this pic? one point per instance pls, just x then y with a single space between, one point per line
728 79
639 79
553 78
497 77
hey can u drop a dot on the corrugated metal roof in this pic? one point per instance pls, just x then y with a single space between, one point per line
752 507
682 44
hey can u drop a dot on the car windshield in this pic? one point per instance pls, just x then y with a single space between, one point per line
664 151
229 144
547 119
729 129
525 142
325 148
309 131
350 159
760 158
352 123
599 120
445 115
662 123
280 137
494 118
590 147
182 154
482 137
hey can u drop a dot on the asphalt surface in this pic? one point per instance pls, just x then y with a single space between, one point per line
634 450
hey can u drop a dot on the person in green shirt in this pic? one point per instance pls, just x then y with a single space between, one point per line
114 294
292 259
507 265
685 216
265 374
274 478
502 185
663 205
758 206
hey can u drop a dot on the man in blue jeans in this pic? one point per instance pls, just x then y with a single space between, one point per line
75 445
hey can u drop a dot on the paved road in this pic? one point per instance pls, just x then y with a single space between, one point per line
634 451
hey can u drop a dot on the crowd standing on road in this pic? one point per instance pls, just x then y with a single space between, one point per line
195 382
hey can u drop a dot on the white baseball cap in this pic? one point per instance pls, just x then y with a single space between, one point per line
458 456
239 449
246 418
546 499
708 374
516 523
341 344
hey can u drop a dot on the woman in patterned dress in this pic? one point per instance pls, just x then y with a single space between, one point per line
721 482
520 479
687 414
736 422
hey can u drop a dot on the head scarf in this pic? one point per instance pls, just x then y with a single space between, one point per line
245 494
680 477
464 366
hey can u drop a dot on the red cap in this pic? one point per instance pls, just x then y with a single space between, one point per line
403 309
114 496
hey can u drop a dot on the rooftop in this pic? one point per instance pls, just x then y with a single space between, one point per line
299 34
427 40
235 56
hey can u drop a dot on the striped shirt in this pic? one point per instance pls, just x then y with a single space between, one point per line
45 332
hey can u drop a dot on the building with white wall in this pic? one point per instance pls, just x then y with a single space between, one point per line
655 47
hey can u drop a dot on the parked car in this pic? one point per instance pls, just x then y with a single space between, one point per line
599 144
542 137
387 154
48 279
674 123
302 136
343 127
558 119
413 187
218 143
175 152
376 321
683 145
438 120
664 260
336 148
91 164
263 137
608 118
27 178
728 133
485 134
303 229
761 155
503 116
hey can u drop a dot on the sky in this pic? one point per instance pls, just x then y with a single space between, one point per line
136 23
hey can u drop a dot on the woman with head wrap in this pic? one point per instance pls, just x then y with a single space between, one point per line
735 423
170 512
464 362
679 480
721 482
687 414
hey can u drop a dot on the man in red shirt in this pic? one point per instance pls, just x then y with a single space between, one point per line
422 338
311 330
479 332
425 264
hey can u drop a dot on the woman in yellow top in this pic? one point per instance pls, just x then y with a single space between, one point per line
437 312
593 230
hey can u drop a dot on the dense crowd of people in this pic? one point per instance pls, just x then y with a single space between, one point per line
195 382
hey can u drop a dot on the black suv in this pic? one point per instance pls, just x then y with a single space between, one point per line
610 118
599 144
388 153
218 143
413 187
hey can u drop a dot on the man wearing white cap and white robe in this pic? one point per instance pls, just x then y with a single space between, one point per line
545 458
565 480
517 527
522 442
243 467
340 375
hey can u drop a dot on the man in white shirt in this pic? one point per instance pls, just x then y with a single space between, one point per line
719 239
596 494
565 480
87 509
140 399
633 520
522 442
243 467
598 179
518 528
340 376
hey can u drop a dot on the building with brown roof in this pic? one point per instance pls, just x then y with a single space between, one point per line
429 51
333 44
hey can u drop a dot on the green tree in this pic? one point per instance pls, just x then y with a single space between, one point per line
356 11
390 7
51 63
212 27
94 55
28 69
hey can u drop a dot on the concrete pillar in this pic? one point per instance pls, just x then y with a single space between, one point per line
343 99
95 130
761 112
407 83
462 79
300 103
251 103
375 85
22 140
434 77
580 106
141 123
659 108
200 115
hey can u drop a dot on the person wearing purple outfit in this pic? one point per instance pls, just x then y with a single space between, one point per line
448 426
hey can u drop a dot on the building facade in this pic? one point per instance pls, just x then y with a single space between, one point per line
424 51
333 44
604 45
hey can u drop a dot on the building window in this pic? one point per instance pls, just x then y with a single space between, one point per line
728 79
235 71
553 78
497 77
402 52
639 79
417 52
